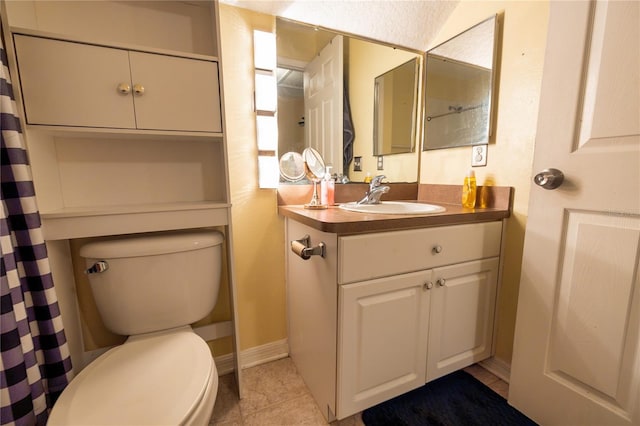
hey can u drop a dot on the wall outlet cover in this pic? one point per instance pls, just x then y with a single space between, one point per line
479 155
357 164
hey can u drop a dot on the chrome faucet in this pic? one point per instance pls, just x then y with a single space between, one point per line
376 189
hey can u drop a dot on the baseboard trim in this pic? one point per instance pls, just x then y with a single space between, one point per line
225 364
251 357
264 353
498 367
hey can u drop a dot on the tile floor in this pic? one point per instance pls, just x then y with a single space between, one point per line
275 394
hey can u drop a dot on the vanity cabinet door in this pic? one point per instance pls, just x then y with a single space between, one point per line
382 339
461 319
73 84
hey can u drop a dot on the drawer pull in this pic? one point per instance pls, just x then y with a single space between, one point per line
441 282
302 248
437 249
427 286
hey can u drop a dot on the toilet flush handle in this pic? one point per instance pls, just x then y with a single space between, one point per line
97 267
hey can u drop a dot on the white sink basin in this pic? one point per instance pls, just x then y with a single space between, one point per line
393 207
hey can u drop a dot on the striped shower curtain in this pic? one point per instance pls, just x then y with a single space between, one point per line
35 365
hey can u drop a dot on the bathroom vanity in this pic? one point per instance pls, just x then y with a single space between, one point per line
396 300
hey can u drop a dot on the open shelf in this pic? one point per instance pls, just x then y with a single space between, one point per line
80 222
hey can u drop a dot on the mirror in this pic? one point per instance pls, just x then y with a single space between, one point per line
459 88
292 167
315 170
395 108
350 133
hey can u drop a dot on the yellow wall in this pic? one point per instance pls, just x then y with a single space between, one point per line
524 33
258 231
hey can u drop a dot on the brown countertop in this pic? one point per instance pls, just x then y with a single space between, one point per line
339 221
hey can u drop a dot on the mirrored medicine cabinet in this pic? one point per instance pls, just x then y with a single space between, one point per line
460 80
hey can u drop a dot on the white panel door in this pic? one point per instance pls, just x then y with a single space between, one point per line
576 352
179 93
323 103
382 339
463 304
73 84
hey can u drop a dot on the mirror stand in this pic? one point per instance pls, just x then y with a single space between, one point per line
315 203
315 169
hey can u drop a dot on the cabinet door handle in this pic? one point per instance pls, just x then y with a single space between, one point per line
124 88
441 282
138 89
437 249
427 286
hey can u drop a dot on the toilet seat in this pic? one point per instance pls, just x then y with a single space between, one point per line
152 379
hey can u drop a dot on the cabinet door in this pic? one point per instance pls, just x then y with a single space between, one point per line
462 311
73 84
382 339
179 93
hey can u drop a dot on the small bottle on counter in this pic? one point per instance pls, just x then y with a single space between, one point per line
368 178
327 188
469 190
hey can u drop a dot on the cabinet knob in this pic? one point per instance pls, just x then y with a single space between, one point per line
437 249
124 88
441 282
427 286
138 89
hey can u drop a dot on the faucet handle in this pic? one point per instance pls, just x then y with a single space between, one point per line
376 181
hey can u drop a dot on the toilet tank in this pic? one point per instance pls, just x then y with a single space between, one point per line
154 282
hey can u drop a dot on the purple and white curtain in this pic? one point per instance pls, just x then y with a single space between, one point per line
35 365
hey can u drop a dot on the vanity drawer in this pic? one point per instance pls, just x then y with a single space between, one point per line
368 256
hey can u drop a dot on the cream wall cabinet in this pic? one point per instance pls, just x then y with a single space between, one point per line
423 306
83 85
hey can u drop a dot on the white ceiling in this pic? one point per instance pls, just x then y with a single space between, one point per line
408 23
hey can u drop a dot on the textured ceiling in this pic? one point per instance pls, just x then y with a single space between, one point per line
408 23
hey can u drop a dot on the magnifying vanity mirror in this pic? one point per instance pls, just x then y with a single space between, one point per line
459 88
292 167
338 120
315 170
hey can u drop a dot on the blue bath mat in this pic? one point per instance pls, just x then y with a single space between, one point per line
457 399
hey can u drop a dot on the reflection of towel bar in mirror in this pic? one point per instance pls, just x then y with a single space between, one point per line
302 248
454 110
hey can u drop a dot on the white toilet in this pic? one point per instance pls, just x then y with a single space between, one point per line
149 287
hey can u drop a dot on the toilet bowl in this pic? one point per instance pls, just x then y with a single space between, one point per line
164 373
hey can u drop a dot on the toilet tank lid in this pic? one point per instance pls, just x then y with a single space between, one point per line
150 244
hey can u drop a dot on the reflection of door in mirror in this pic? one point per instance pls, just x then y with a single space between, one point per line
298 45
459 88
395 108
323 96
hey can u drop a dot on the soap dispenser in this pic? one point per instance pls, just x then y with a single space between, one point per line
327 188
469 190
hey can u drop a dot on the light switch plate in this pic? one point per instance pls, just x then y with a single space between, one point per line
479 155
